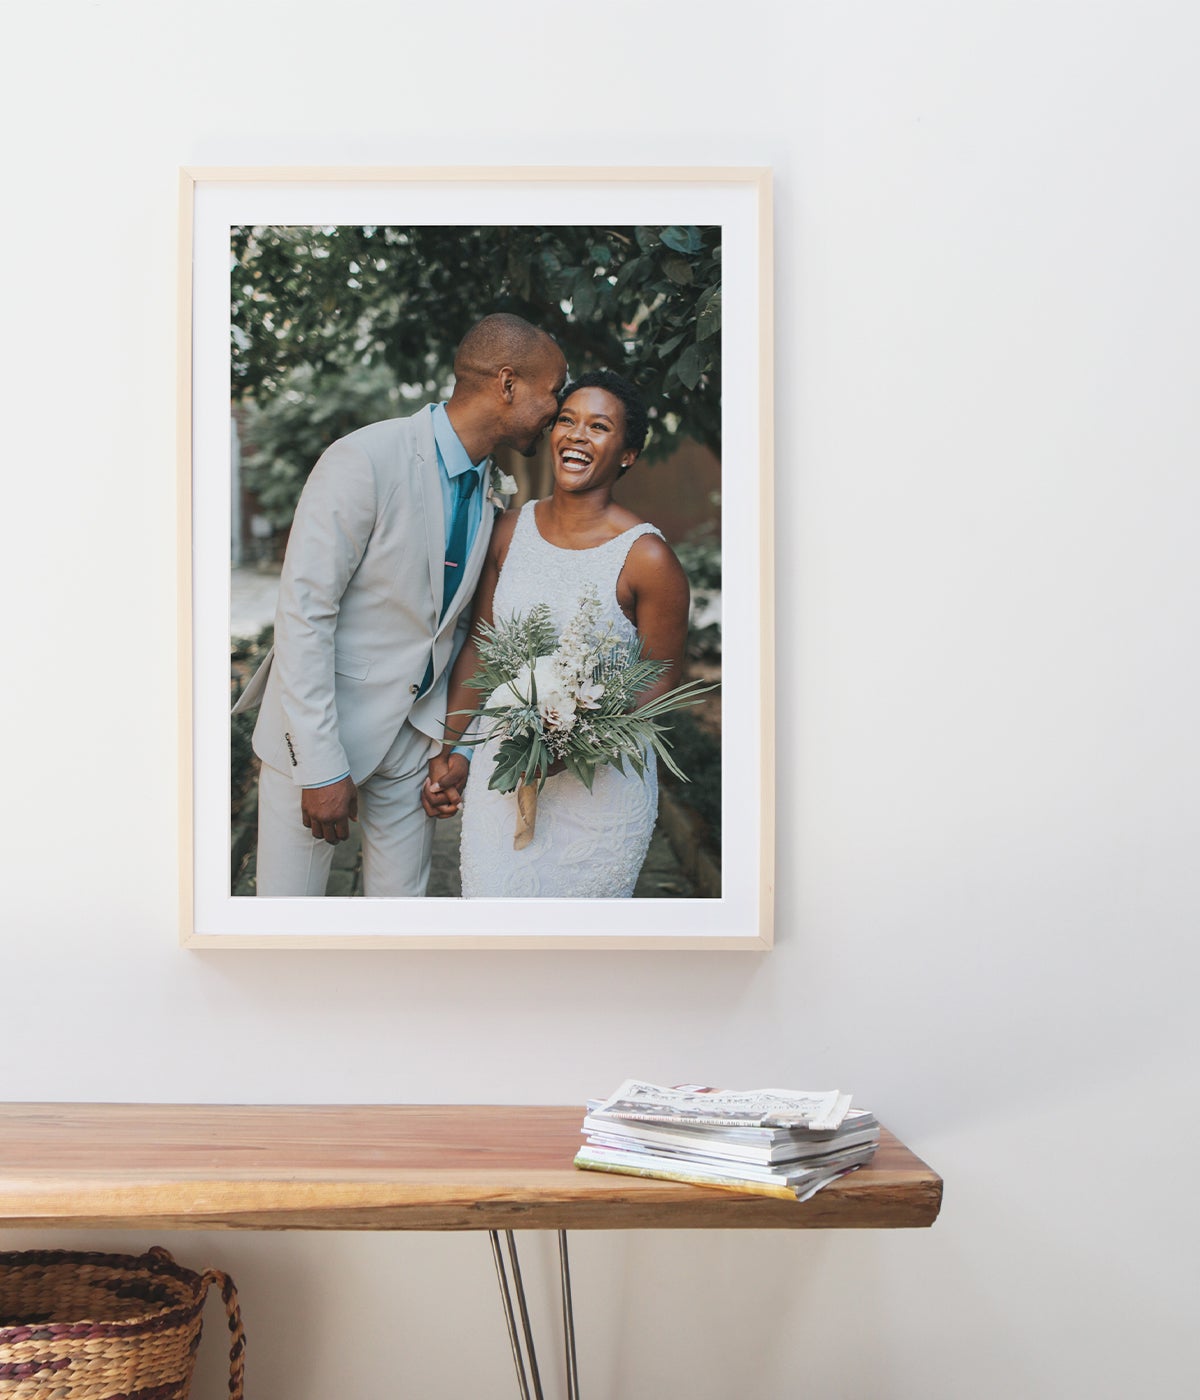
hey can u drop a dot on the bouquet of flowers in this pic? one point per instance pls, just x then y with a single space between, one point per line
568 699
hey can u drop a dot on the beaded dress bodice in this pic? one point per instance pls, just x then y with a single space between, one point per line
536 571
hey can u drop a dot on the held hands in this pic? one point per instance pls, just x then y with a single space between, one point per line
328 811
441 794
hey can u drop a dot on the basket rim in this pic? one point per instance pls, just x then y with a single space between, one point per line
155 1263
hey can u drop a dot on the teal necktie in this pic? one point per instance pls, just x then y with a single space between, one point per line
456 550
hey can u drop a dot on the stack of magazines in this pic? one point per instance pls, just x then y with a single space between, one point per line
770 1142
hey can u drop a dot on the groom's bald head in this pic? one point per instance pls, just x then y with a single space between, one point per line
507 381
502 340
508 375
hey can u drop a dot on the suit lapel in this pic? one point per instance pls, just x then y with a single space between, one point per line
435 515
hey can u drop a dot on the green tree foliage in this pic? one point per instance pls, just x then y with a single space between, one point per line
310 304
285 436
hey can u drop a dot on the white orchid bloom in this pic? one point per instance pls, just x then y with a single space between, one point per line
556 709
589 695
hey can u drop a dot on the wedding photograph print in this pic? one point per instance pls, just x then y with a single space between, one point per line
456 515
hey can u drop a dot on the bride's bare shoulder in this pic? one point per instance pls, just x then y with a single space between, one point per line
621 518
506 523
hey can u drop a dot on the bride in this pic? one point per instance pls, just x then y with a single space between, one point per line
585 844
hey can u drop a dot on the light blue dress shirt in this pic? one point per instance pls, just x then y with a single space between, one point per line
452 462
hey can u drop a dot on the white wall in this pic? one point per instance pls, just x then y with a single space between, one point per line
987 224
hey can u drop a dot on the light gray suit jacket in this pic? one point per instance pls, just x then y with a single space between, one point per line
360 600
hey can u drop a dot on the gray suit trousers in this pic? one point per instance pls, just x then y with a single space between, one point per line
397 836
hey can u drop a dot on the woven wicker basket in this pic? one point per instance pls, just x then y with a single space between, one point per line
78 1326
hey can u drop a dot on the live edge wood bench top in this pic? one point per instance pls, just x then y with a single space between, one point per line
386 1167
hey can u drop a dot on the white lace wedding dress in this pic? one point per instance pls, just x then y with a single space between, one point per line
586 845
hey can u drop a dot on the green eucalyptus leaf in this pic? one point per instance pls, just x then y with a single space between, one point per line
689 366
584 297
683 239
630 273
708 313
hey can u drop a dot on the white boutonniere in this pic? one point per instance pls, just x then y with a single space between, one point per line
501 487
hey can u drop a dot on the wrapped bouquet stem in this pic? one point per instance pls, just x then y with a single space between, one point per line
527 800
568 699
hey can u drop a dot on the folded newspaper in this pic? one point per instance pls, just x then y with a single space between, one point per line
815 1111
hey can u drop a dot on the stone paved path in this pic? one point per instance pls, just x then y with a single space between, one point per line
661 877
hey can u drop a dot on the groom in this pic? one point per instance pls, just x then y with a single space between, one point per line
385 550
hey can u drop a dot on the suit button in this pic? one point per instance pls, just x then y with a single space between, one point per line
412 689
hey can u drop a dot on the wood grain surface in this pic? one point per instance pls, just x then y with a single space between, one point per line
385 1167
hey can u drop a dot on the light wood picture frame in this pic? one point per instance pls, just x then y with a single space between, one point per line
214 202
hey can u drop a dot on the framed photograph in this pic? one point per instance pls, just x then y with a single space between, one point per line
452 442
